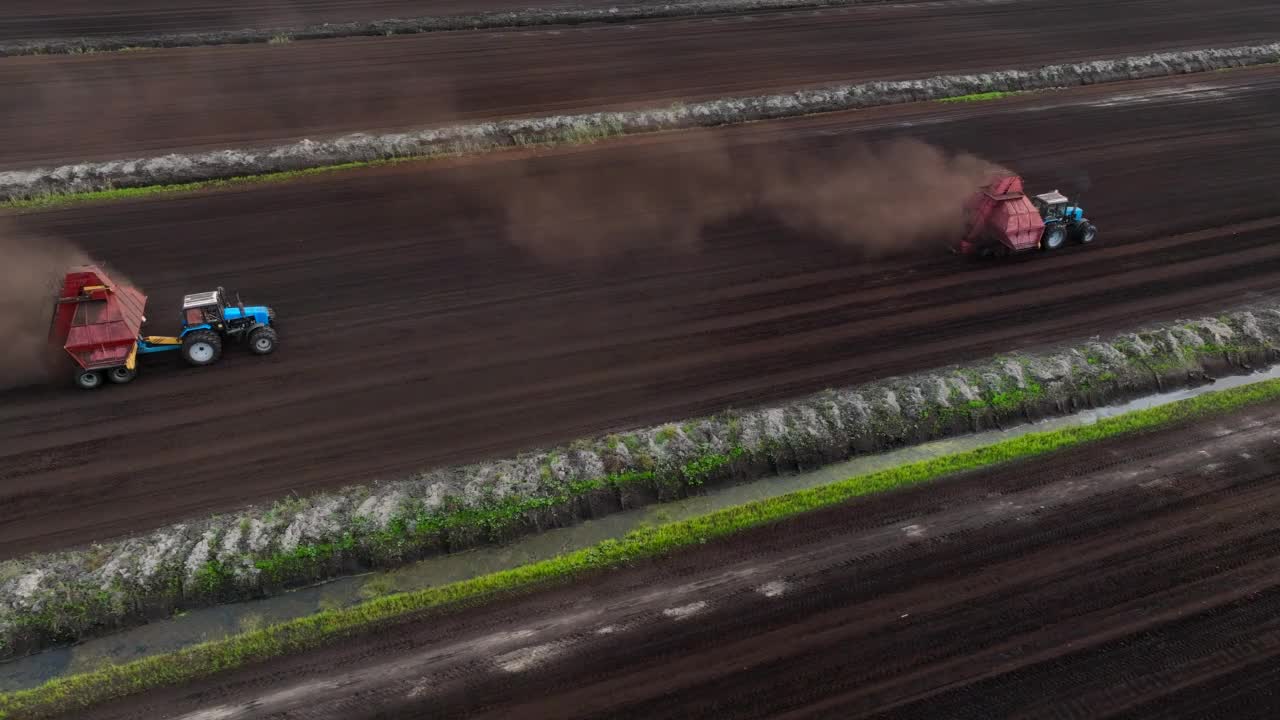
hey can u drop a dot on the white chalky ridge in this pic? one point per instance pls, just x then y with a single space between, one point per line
178 168
162 568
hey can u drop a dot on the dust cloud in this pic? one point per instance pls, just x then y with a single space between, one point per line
880 198
893 197
31 272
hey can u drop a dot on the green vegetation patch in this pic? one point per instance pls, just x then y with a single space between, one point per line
84 690
980 97
52 200
577 135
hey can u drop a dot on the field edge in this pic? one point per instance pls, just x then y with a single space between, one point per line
117 681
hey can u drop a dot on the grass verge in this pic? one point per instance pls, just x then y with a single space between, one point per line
979 97
53 200
81 691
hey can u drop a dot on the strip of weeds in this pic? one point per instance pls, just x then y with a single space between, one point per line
1264 65
980 97
54 200
115 681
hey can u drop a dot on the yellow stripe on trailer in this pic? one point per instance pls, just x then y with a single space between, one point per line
131 362
162 340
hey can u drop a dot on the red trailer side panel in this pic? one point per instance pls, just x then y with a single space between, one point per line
1001 214
97 320
1017 224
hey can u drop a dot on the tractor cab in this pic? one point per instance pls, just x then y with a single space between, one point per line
204 308
1052 205
211 315
215 309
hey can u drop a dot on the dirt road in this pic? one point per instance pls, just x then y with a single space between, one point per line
417 332
1137 578
148 103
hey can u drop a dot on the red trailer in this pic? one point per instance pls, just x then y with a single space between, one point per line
1001 219
98 321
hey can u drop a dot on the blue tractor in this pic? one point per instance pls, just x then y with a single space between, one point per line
208 320
1063 221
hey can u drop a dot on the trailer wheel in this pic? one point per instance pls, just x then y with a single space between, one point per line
1054 237
89 379
121 375
262 341
202 347
1086 233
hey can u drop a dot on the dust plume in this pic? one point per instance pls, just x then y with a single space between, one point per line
879 198
886 198
602 207
31 272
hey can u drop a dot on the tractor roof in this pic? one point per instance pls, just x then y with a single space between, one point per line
1052 198
202 299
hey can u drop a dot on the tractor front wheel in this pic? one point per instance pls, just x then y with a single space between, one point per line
202 347
1054 237
262 341
121 375
89 379
1086 233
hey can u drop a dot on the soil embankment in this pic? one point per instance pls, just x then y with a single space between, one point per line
255 552
206 99
1136 575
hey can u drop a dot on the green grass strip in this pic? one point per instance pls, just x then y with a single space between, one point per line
116 681
979 97
52 200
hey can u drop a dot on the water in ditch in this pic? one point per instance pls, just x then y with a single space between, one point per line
216 622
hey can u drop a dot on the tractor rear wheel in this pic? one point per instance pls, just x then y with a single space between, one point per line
262 341
1054 237
1085 233
121 375
202 347
89 379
